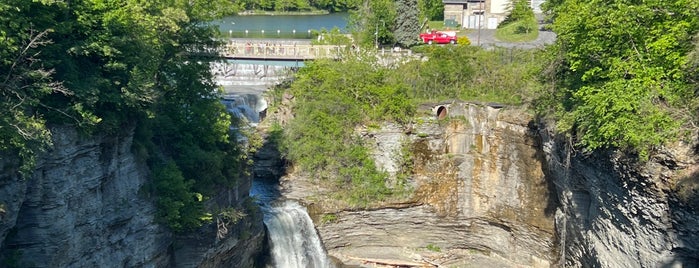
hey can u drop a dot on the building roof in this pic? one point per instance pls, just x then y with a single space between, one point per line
454 1
461 1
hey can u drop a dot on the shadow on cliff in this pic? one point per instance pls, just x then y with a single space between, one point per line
684 215
552 202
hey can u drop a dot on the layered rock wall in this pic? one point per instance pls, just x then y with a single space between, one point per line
84 207
479 190
616 212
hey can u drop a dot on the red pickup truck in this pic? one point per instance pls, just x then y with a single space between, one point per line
439 37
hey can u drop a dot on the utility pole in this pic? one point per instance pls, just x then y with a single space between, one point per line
480 6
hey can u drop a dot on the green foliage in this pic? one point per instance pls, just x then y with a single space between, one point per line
26 79
372 24
519 10
232 215
463 41
432 10
434 248
407 27
331 100
328 218
520 25
106 66
621 70
178 206
463 72
332 37
296 5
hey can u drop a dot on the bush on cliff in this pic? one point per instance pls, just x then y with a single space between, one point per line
107 67
621 72
331 101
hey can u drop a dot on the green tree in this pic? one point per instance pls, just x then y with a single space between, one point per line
407 28
27 79
621 70
371 24
518 10
108 65
431 9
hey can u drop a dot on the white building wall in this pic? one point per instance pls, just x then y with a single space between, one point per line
498 6
536 6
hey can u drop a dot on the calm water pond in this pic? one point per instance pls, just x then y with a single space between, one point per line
282 26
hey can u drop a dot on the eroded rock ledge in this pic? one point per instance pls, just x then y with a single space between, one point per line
481 195
495 189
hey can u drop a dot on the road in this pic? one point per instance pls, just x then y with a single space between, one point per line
487 39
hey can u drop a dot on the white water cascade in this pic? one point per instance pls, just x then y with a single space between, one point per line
292 236
293 239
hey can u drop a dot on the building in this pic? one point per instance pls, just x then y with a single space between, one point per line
486 14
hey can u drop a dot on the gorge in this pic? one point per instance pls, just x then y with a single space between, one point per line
492 186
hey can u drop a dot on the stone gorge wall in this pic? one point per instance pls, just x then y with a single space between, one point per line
81 208
84 207
615 213
481 195
493 189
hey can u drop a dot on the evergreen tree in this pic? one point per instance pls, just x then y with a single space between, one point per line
407 28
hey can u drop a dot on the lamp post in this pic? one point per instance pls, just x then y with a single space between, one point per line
376 33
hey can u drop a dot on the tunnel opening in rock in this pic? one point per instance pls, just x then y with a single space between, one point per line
441 112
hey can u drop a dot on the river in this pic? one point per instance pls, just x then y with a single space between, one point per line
280 26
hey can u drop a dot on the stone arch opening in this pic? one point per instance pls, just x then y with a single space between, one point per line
441 112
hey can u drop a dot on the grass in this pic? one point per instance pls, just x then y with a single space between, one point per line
518 31
434 248
435 24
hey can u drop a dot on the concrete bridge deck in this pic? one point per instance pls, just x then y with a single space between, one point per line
279 51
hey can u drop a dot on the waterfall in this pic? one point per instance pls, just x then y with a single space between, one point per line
293 237
246 106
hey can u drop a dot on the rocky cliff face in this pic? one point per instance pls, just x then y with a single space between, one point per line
618 213
481 195
84 207
493 189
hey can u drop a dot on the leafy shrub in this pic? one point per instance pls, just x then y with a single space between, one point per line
434 248
179 207
332 99
463 41
327 218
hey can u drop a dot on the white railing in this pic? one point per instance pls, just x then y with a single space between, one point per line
268 50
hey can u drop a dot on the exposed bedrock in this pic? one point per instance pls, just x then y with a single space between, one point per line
480 190
494 188
618 213
85 206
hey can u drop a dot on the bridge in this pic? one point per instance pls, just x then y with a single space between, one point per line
269 50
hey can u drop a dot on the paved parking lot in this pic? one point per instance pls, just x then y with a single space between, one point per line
486 38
